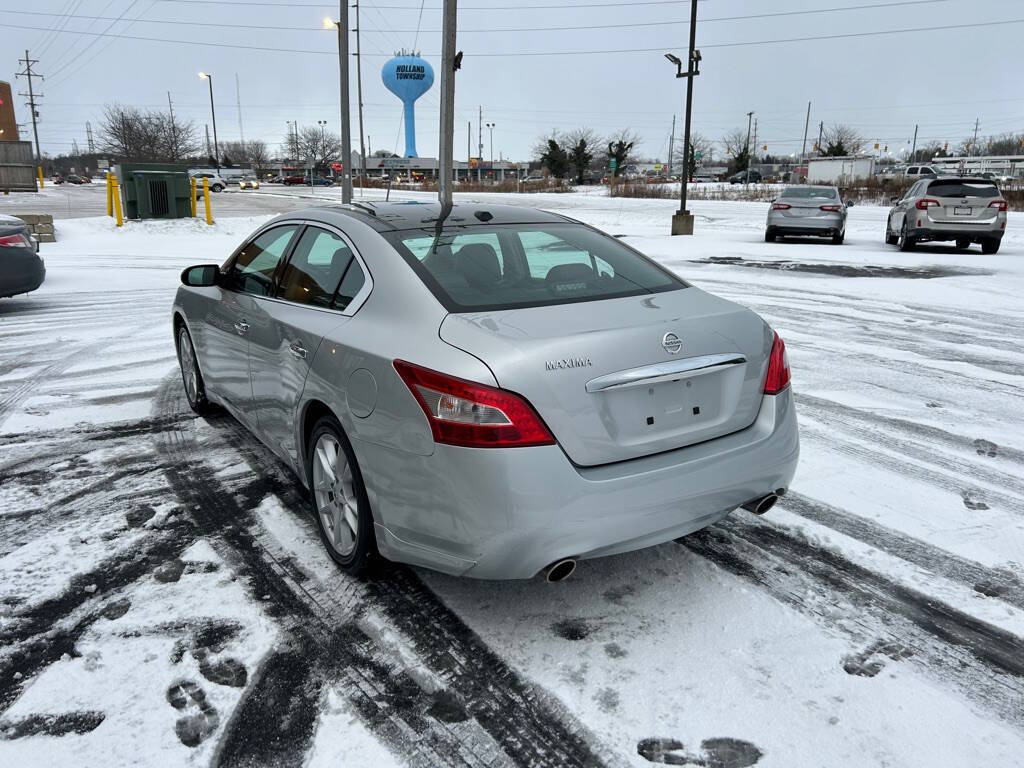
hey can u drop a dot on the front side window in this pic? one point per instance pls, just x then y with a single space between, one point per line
315 269
253 269
494 267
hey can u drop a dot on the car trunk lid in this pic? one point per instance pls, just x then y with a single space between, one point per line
623 378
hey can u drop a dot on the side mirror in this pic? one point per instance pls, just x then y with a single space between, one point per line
849 203
894 200
201 276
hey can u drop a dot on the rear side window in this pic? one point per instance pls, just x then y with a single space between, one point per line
351 284
315 269
253 268
963 189
485 267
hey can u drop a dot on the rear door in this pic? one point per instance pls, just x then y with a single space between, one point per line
314 294
963 201
227 325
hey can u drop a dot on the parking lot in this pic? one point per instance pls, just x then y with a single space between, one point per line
163 591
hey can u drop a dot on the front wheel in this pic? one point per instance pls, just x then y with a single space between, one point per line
217 188
340 502
191 376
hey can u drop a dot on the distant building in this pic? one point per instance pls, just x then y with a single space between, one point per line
8 126
840 170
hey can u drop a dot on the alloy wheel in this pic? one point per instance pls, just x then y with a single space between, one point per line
335 495
189 371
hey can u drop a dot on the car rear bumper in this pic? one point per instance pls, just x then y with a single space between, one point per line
508 513
822 226
21 273
940 231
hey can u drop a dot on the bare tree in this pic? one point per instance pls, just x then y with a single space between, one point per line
735 142
134 134
317 147
841 140
257 154
543 143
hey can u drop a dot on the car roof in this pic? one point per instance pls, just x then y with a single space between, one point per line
391 217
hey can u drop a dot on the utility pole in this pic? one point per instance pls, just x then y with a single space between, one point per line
238 103
343 97
682 220
174 132
671 145
913 151
756 154
750 121
469 152
32 96
821 136
807 124
359 98
480 145
974 144
88 138
446 152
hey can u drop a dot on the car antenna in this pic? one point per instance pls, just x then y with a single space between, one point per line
364 207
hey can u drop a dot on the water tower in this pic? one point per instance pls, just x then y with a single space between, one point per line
408 77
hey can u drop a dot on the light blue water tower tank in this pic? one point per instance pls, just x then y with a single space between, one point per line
408 77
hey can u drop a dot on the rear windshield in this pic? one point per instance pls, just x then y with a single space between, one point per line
811 193
963 189
511 266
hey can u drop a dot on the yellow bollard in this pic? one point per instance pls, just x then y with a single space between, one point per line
192 186
206 200
110 194
117 204
39 170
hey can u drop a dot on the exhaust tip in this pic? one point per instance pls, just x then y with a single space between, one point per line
761 505
560 570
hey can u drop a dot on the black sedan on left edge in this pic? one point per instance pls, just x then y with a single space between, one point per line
21 268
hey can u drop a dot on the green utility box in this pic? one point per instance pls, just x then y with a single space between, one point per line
155 190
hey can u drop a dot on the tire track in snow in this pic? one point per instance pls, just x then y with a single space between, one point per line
1003 584
968 492
984 662
932 435
502 712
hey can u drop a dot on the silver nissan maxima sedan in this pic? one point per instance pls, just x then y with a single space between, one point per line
496 393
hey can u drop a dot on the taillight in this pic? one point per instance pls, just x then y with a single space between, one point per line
15 241
833 208
1000 204
777 378
474 415
781 206
925 203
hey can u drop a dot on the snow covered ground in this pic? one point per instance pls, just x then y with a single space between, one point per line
164 599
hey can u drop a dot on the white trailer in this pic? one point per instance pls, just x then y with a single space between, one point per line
839 170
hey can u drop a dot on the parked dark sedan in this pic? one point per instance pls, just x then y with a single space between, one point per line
21 269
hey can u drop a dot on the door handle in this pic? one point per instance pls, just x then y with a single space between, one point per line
242 328
298 352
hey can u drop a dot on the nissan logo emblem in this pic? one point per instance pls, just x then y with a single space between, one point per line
672 343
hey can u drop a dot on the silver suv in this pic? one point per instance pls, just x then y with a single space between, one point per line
964 209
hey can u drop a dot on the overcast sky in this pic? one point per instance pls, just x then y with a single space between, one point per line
882 84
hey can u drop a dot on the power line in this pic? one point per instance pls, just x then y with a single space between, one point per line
558 6
503 30
104 33
510 54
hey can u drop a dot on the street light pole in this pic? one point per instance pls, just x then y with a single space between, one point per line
682 221
343 98
490 127
213 115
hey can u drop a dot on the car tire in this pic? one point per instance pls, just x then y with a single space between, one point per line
191 376
905 242
990 246
769 237
217 188
838 239
890 238
963 244
338 497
